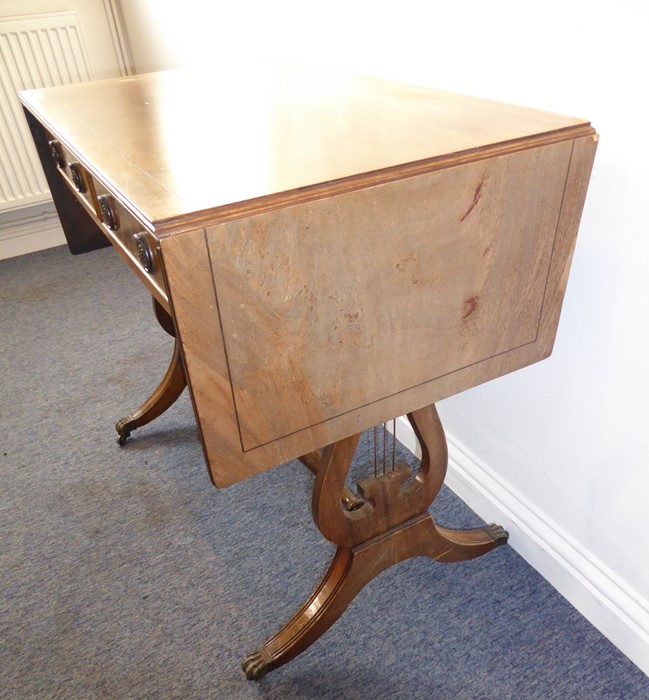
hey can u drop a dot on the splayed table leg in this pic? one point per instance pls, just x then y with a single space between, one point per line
168 391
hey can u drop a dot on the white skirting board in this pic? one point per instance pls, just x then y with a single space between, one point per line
30 234
588 584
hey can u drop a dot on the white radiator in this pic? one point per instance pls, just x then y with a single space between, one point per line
35 51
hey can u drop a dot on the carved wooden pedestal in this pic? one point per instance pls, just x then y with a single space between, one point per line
390 524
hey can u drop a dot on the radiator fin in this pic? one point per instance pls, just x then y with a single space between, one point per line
36 51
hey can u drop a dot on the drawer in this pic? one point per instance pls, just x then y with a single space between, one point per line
129 234
121 227
74 173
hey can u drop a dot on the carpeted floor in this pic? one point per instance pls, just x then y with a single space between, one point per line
125 574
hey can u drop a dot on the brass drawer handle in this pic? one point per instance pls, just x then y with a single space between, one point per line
108 212
76 173
57 153
144 252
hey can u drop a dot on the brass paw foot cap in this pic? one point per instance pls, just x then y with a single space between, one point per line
257 665
498 533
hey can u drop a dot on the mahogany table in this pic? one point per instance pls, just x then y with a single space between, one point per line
329 251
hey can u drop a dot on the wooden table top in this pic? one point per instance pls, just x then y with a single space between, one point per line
335 250
172 145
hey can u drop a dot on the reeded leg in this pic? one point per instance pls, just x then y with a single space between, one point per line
170 388
351 569
390 525
469 544
324 607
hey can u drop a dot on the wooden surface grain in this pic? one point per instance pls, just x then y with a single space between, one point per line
315 322
334 304
181 149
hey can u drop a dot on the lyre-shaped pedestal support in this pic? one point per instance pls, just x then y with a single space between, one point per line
168 391
391 524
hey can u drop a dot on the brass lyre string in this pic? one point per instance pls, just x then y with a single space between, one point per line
375 459
384 453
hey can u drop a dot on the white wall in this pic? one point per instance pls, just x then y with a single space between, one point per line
569 438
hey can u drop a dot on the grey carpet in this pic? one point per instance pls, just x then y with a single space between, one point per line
125 574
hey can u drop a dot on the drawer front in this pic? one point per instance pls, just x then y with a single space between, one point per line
120 226
126 232
74 173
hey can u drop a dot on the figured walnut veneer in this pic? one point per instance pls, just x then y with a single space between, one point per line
327 317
